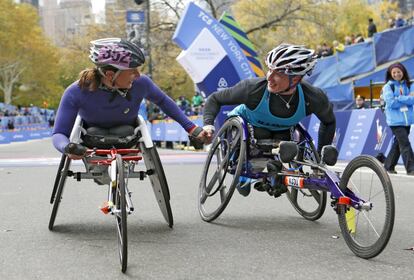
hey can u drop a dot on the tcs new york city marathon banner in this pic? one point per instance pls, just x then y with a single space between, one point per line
211 56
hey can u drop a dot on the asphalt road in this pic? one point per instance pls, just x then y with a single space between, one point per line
257 237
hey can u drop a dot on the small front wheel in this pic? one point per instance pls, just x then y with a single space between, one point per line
367 230
120 213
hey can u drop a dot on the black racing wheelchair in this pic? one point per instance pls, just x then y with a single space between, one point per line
362 195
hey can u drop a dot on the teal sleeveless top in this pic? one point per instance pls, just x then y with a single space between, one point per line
262 117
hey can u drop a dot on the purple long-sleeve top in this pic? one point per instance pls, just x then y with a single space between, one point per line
96 109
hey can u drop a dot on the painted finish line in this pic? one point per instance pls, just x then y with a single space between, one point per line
178 158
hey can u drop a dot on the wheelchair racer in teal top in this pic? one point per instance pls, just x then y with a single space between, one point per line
277 102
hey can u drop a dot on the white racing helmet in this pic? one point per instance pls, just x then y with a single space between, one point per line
294 60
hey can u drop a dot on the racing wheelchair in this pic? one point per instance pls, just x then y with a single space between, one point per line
362 195
119 157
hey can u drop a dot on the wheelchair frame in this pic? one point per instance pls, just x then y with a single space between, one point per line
122 163
230 147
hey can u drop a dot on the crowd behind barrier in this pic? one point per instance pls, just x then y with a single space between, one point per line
354 60
24 123
358 132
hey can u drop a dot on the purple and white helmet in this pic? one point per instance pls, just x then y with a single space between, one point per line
116 52
291 59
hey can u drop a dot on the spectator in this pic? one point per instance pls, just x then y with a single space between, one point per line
338 47
348 40
10 124
399 99
182 103
359 39
197 103
360 102
326 50
399 21
318 51
51 121
372 28
391 23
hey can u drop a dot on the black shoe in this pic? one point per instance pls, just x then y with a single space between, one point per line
392 171
411 173
243 187
279 189
261 187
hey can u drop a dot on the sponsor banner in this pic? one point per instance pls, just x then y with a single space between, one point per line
379 136
202 57
5 137
360 123
313 128
192 23
173 131
158 131
342 122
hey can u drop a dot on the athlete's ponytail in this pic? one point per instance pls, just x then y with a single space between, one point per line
90 79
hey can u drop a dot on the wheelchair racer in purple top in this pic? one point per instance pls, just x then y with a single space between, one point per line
108 97
277 102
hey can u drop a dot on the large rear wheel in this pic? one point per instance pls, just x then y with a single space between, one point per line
222 170
310 204
58 188
158 182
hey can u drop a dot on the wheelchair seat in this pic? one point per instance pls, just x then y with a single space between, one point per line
120 137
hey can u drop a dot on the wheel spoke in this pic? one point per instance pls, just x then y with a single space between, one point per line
370 223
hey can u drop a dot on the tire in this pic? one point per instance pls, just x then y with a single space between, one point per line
307 208
378 230
121 214
61 179
158 182
229 150
57 178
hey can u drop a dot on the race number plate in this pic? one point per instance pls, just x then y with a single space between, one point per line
294 181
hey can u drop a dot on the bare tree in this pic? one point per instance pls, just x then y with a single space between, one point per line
9 76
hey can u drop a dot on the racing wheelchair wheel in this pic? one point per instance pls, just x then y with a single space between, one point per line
368 229
59 184
120 213
310 204
227 155
158 182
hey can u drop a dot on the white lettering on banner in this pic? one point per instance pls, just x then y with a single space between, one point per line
205 18
246 69
235 49
220 32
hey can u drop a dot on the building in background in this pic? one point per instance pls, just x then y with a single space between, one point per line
33 2
64 20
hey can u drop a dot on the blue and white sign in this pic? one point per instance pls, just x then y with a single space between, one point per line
360 124
211 56
135 17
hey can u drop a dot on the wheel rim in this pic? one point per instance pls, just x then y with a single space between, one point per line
121 215
225 156
366 226
310 204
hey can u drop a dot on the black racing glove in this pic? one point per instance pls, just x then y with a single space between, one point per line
75 149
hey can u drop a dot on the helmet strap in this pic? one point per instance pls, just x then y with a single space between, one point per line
113 89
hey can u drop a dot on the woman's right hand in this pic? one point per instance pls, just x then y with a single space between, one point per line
75 151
